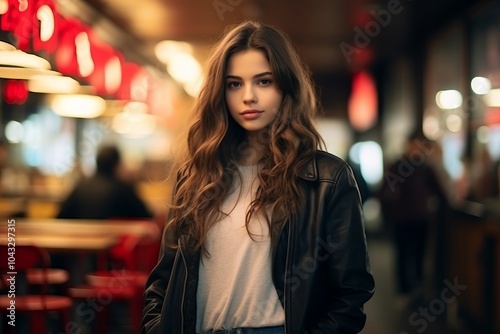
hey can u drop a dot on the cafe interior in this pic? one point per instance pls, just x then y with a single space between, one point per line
79 74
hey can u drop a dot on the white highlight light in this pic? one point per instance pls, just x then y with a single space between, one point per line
371 162
165 50
492 99
181 65
52 84
184 68
113 75
480 85
22 59
449 99
14 132
134 121
431 127
370 159
78 105
47 26
483 134
83 55
454 123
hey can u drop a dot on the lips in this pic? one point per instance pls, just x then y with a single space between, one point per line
251 114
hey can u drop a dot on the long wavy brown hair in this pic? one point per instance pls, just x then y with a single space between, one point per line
215 142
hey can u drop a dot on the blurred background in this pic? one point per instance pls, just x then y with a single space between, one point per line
76 75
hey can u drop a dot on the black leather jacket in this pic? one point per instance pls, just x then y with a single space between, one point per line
321 269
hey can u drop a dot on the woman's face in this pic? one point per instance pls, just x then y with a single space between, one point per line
252 96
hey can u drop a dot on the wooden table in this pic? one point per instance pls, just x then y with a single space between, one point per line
83 227
474 253
69 236
61 243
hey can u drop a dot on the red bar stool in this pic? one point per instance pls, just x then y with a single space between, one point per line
131 261
29 299
54 276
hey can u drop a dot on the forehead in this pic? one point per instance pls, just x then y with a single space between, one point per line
247 63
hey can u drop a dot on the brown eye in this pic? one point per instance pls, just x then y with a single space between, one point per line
265 82
233 84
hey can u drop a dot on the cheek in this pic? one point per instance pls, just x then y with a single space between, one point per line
278 99
228 99
230 102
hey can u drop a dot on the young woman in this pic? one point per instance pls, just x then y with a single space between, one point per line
265 232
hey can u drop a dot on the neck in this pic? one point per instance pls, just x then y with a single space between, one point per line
253 151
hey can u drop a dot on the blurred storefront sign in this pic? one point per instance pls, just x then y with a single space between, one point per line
72 47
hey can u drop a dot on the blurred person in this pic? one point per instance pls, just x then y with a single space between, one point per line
364 189
496 179
411 199
105 194
483 176
265 232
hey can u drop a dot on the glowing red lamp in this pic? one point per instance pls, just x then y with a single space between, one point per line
363 102
15 91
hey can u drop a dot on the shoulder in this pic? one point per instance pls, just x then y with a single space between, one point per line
326 162
324 166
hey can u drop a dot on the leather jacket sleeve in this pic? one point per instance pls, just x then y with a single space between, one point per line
350 282
155 291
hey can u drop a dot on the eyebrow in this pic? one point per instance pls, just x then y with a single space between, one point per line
263 74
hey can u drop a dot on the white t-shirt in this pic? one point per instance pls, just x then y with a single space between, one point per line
235 286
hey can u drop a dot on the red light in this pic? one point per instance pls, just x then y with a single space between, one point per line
65 57
362 106
20 21
15 91
492 116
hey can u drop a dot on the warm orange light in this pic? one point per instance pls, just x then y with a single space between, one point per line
77 105
4 7
492 116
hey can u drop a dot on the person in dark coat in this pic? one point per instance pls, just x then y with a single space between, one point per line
411 199
104 195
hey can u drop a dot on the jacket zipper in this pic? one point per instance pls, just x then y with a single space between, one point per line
184 286
285 299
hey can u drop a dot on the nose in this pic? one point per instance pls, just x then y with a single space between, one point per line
249 95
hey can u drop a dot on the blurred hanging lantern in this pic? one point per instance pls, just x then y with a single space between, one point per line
19 19
363 102
66 57
15 91
45 36
106 77
129 72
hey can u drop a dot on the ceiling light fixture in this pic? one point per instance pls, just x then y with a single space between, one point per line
17 64
22 59
53 84
77 105
134 121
